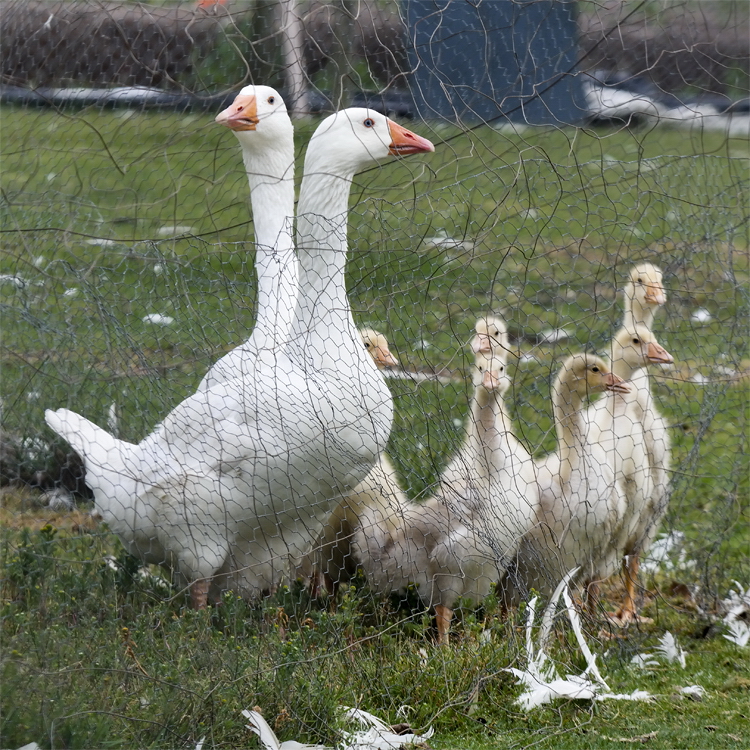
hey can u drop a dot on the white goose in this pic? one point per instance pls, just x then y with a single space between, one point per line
243 475
455 544
260 121
625 440
581 504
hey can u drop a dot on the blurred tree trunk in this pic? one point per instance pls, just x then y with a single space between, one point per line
292 42
341 54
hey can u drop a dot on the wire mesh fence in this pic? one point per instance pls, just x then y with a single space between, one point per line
590 172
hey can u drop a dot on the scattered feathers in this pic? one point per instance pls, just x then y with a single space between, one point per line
542 682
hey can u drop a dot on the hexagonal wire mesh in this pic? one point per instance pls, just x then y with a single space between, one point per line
128 270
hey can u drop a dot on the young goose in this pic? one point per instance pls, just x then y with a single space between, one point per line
489 342
455 544
625 440
644 295
258 117
581 504
243 475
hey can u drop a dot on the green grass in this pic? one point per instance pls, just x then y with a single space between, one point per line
72 676
552 221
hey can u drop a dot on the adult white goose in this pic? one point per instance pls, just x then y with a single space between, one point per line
259 119
625 440
454 545
581 504
243 475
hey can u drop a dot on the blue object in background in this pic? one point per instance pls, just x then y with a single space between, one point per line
482 60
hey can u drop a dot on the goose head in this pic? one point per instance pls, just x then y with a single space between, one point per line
645 287
258 117
491 336
586 373
350 140
377 347
490 372
638 347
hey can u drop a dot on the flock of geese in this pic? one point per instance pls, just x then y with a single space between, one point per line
278 457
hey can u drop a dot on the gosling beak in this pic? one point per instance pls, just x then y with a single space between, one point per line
658 355
404 142
481 344
615 383
241 114
655 294
383 357
490 380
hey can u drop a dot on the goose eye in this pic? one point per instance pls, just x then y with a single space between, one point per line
367 344
595 369
636 341
369 123
271 99
640 280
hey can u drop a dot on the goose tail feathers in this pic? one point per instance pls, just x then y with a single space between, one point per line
106 458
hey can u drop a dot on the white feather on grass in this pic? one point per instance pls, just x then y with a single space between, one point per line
377 735
268 738
668 651
739 633
696 692
737 606
543 684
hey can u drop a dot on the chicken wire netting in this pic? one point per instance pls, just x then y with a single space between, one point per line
573 144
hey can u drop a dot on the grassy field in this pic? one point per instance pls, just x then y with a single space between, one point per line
108 217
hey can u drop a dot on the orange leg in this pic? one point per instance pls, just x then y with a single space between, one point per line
628 612
443 617
199 593
592 597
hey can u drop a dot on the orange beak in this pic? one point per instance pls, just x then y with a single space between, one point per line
383 357
615 383
655 294
490 380
481 344
241 114
659 355
404 142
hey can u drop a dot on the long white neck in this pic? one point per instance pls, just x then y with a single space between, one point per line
637 313
271 180
483 435
323 323
568 426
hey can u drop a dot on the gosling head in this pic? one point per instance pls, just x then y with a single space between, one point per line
646 285
376 345
587 373
638 347
491 336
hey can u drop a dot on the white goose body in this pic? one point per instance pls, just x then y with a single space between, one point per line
241 476
268 156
